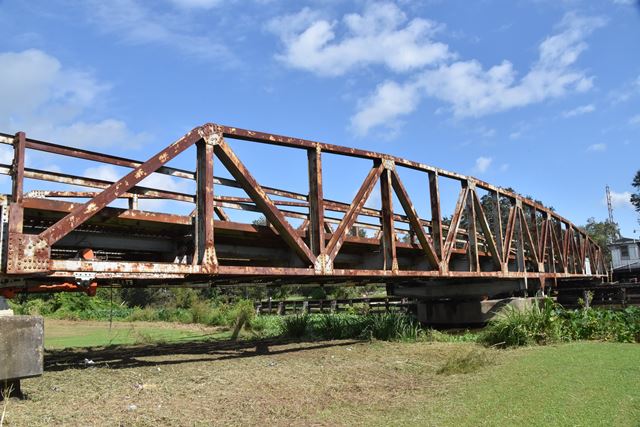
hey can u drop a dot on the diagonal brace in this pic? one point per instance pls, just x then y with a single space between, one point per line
82 213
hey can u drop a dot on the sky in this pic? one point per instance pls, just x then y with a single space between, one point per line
541 95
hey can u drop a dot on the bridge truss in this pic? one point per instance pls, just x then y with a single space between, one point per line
64 239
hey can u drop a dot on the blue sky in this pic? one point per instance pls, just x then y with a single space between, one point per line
542 96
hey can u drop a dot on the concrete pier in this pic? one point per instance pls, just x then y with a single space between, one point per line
465 313
21 349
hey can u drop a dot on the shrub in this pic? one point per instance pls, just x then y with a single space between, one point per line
221 316
602 324
339 326
393 327
538 324
146 314
295 326
185 297
200 312
266 326
244 313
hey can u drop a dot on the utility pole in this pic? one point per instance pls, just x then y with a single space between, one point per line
609 205
610 208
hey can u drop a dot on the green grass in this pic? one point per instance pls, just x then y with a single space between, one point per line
576 384
63 334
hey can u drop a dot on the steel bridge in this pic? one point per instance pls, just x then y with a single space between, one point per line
494 242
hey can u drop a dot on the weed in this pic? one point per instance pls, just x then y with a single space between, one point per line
464 363
6 394
538 324
244 312
295 326
200 312
393 327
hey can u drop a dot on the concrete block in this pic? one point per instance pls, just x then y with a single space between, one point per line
462 313
21 347
4 308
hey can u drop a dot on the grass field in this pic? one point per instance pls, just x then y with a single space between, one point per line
67 333
330 383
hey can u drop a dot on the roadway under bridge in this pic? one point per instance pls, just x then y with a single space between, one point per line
66 232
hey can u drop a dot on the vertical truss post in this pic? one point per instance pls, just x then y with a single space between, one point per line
436 214
204 239
520 260
17 169
316 201
133 202
17 188
388 225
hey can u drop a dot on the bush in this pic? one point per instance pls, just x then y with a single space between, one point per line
547 322
266 326
295 326
339 326
393 327
244 313
537 324
200 312
601 324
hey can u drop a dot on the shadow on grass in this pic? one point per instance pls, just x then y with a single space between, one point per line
132 356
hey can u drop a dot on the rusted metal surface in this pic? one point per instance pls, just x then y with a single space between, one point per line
500 235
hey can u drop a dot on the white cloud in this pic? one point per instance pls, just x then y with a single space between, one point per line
32 80
381 35
578 111
470 90
137 24
473 91
106 133
45 99
619 200
104 172
635 120
482 164
389 101
196 4
597 147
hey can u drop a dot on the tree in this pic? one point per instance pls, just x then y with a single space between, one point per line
261 220
357 231
635 197
602 232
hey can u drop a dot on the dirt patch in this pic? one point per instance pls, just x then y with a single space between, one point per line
247 383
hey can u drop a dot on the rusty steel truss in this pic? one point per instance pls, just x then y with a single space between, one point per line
54 244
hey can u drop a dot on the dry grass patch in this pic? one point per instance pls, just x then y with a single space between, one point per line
245 383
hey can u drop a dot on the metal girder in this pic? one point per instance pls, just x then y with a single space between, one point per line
45 234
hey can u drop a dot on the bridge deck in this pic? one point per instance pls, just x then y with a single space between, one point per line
59 237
